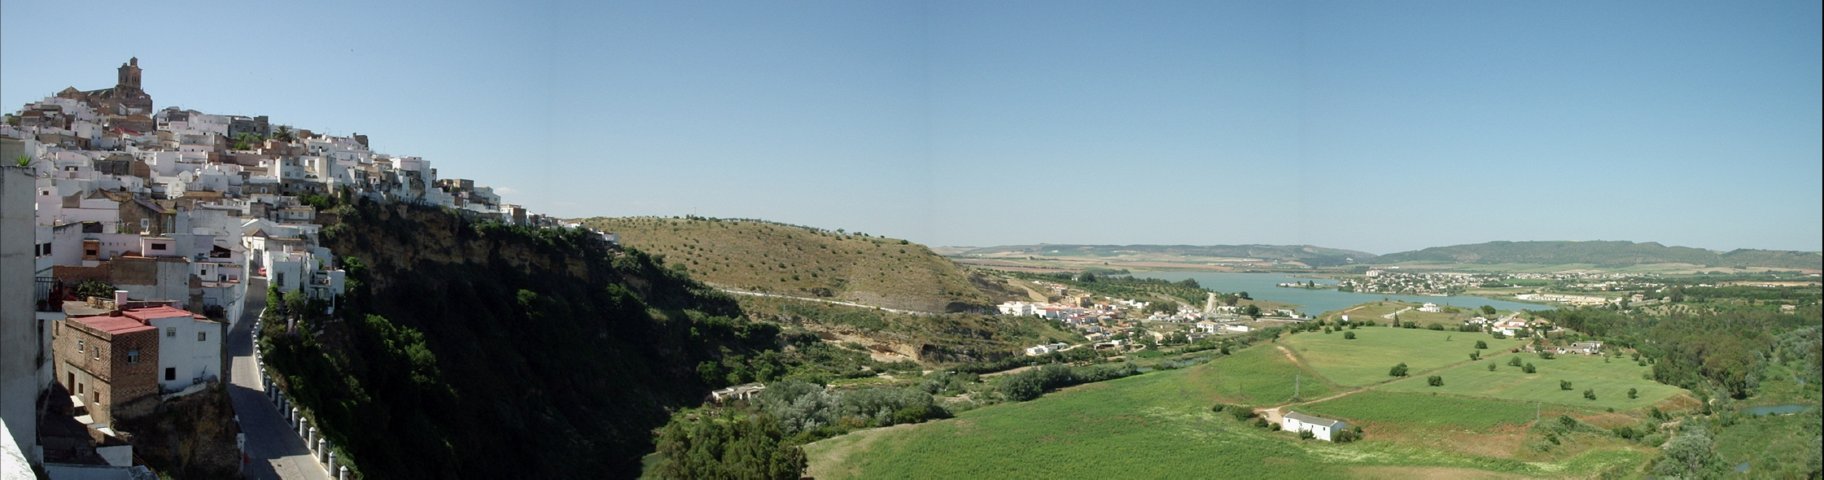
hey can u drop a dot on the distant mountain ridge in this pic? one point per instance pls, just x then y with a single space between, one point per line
1604 253
1308 254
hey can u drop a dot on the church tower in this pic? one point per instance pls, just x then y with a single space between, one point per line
129 75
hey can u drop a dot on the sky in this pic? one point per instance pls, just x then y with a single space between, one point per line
1375 126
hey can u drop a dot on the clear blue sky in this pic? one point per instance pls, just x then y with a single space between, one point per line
1379 126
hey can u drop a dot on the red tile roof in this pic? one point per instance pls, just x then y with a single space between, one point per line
147 314
114 325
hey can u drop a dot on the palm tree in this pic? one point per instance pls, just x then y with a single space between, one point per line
284 133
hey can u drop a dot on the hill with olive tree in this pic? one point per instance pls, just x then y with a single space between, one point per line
790 260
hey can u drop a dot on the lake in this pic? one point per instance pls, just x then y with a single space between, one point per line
1264 286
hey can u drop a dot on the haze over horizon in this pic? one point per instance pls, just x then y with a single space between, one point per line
1374 127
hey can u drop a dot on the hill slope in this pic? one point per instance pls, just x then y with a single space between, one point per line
1604 253
800 261
461 345
1306 254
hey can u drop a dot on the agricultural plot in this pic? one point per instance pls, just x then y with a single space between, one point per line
1421 409
1375 350
1608 380
1257 376
1159 425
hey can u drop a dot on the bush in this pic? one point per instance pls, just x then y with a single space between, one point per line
1633 393
1491 366
1435 381
1589 394
1397 370
1545 355
1473 356
1528 368
1243 413
1305 435
1564 384
1481 345
1513 361
1348 335
1435 326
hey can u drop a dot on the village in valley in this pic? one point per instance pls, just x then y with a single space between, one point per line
153 228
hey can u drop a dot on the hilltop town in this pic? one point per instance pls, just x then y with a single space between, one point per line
150 229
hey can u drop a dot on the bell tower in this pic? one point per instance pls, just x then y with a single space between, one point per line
129 75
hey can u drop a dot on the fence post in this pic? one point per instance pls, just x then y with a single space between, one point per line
342 473
332 459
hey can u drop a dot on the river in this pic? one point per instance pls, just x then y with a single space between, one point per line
1264 286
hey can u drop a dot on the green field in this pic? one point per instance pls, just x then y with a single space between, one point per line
1367 359
1260 376
1422 409
1156 425
1611 381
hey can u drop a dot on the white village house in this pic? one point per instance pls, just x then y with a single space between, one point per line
1321 428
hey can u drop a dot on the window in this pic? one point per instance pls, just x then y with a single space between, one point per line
170 373
81 346
158 246
170 332
201 336
133 356
98 352
47 249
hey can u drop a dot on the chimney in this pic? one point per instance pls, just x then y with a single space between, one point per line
120 299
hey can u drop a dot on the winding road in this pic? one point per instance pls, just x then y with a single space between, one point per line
274 450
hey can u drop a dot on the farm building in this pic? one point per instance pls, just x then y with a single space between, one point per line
1321 428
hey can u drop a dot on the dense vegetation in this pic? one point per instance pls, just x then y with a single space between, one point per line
462 343
802 261
1605 254
1306 254
1721 349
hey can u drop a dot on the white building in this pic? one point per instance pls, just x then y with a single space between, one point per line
189 346
1321 428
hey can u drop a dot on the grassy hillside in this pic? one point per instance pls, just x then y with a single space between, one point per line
1303 254
460 345
1606 254
807 262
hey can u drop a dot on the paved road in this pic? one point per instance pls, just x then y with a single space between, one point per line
275 450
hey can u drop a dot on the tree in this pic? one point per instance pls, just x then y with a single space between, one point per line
1564 384
1488 310
1589 394
1397 370
1633 393
1546 354
1513 361
283 133
1528 368
1473 356
1435 381
1481 345
726 445
1253 311
1491 366
1348 335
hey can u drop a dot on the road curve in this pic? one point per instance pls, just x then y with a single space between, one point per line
274 450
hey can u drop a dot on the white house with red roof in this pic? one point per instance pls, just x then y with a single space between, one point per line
189 345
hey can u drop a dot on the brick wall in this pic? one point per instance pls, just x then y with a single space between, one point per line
112 379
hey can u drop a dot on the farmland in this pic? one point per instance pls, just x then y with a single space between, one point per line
1366 359
1159 425
1610 380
